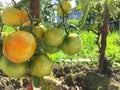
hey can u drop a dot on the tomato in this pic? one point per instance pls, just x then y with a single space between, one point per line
27 23
41 65
13 16
54 36
48 48
12 69
71 45
19 46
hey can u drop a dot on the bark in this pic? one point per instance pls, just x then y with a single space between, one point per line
35 13
35 9
102 59
1 44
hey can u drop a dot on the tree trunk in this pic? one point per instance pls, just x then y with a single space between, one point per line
35 13
1 49
1 43
35 9
102 59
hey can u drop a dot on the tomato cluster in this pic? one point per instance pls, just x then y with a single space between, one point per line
20 54
26 49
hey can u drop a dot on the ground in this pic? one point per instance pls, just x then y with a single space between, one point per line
72 76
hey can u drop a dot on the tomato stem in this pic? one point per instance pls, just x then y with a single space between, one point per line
35 81
64 18
14 3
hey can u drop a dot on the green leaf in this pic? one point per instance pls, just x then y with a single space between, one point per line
111 7
84 15
109 2
79 6
82 4
93 26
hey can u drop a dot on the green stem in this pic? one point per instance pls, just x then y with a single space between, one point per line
35 81
63 18
14 3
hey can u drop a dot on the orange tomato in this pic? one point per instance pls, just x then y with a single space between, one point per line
13 16
19 46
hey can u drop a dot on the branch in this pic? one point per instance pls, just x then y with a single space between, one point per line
14 3
63 17
94 32
35 9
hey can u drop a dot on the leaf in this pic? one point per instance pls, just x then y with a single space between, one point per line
84 15
82 4
109 2
85 3
93 26
1 8
73 26
79 6
111 8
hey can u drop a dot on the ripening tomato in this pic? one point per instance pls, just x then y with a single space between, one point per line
19 46
41 65
13 16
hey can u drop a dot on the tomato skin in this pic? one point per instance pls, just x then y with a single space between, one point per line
41 65
13 17
27 23
48 48
54 36
12 69
19 46
71 45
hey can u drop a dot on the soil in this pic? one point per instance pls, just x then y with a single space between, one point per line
72 76
81 77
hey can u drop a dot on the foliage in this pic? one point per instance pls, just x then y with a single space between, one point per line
73 21
113 47
48 11
90 50
95 12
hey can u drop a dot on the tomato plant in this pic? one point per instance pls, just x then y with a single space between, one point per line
31 41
